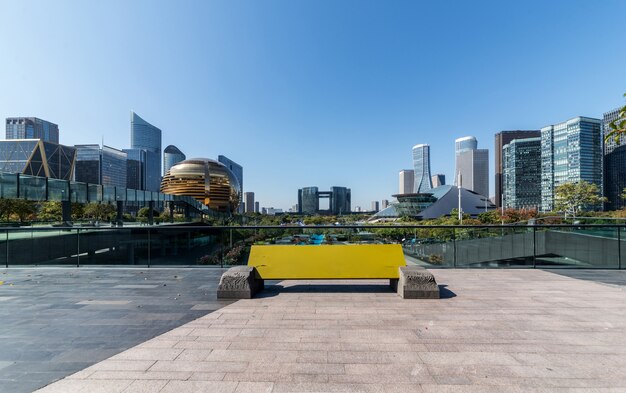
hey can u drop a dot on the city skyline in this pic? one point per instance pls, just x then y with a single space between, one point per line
325 86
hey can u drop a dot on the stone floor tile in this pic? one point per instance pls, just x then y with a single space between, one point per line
199 387
145 386
254 387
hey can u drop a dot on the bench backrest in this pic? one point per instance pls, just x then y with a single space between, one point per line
308 262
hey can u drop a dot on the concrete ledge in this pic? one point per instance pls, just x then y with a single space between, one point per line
239 282
416 283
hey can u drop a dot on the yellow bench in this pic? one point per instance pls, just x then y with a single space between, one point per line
319 262
311 262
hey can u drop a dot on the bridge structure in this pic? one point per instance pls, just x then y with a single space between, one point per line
37 188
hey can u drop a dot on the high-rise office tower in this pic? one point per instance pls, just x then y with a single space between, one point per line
407 179
462 144
31 128
571 151
248 198
384 204
171 156
521 176
504 138
614 164
235 168
257 207
438 180
100 165
465 143
421 167
472 164
340 200
136 168
308 200
36 157
144 135
375 206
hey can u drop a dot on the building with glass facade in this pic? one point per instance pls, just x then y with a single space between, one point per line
248 198
438 180
571 151
171 156
504 138
615 178
144 135
339 200
31 128
106 166
521 166
235 168
208 181
421 167
473 166
407 180
36 157
136 168
614 165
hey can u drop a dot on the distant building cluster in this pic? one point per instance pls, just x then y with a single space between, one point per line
32 148
529 165
339 200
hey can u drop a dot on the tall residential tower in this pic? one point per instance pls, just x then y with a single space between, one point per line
571 151
144 135
421 165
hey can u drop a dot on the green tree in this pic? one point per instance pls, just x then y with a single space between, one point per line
99 211
50 211
23 209
571 198
6 208
617 126
143 212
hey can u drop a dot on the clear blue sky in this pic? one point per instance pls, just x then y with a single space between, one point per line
306 93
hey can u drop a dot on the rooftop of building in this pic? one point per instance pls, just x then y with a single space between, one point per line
492 331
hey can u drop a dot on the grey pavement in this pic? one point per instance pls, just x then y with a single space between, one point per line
57 321
494 331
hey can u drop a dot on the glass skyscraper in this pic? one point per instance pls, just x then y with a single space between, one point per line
421 163
614 164
31 128
472 164
36 157
171 156
105 166
521 173
571 151
144 135
235 168
504 138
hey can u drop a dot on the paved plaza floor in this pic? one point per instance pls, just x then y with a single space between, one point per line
57 321
495 331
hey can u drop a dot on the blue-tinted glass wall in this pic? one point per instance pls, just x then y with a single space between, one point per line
37 158
144 135
571 151
31 128
172 156
521 166
235 168
614 165
95 165
135 168
421 168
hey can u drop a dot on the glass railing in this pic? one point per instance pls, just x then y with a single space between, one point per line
507 246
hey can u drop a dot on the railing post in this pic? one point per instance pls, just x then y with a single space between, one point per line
77 247
7 261
149 246
619 248
454 245
534 247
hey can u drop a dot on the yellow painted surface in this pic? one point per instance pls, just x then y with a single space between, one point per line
282 262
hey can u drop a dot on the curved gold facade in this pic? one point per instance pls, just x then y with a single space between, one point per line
208 181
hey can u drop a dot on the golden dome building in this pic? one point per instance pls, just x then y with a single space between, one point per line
208 181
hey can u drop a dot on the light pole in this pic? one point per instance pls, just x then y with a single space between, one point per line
460 183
